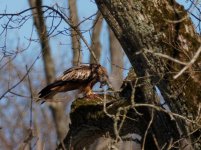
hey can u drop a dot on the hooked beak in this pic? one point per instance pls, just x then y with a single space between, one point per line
106 83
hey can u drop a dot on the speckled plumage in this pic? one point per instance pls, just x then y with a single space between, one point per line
82 77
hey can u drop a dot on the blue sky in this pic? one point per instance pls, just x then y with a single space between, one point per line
59 44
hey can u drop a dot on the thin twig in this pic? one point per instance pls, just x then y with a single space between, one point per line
74 27
168 112
15 85
167 57
148 127
190 63
31 108
177 21
31 101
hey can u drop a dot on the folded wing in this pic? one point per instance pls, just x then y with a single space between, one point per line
80 73
71 79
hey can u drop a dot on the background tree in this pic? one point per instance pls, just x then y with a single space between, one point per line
76 47
95 39
57 109
116 60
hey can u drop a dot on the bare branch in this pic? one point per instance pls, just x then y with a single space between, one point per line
189 64
74 27
15 85
166 56
148 127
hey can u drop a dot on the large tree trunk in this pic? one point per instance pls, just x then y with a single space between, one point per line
158 47
144 30
56 108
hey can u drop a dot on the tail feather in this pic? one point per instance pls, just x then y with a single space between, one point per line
49 90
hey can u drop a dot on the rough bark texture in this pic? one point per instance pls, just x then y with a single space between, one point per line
143 25
144 30
89 122
95 43
57 109
75 38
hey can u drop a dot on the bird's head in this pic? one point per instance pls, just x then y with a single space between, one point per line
102 75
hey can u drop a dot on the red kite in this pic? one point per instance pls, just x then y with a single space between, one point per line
82 77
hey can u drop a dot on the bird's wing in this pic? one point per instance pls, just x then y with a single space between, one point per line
79 73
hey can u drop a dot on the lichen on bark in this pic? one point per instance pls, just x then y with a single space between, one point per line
163 27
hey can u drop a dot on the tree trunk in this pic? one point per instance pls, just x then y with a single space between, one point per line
56 108
144 30
116 54
95 40
74 37
42 33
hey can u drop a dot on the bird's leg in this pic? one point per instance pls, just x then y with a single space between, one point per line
91 95
87 90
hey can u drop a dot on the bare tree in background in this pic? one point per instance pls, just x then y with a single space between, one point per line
95 39
116 54
76 47
58 109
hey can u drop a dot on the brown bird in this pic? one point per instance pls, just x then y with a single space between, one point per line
82 77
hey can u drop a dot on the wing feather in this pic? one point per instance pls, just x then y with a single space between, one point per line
79 73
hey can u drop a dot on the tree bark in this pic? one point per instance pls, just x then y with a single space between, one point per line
89 122
56 108
76 46
143 26
138 28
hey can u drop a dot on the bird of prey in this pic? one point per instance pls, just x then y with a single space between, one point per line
82 77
